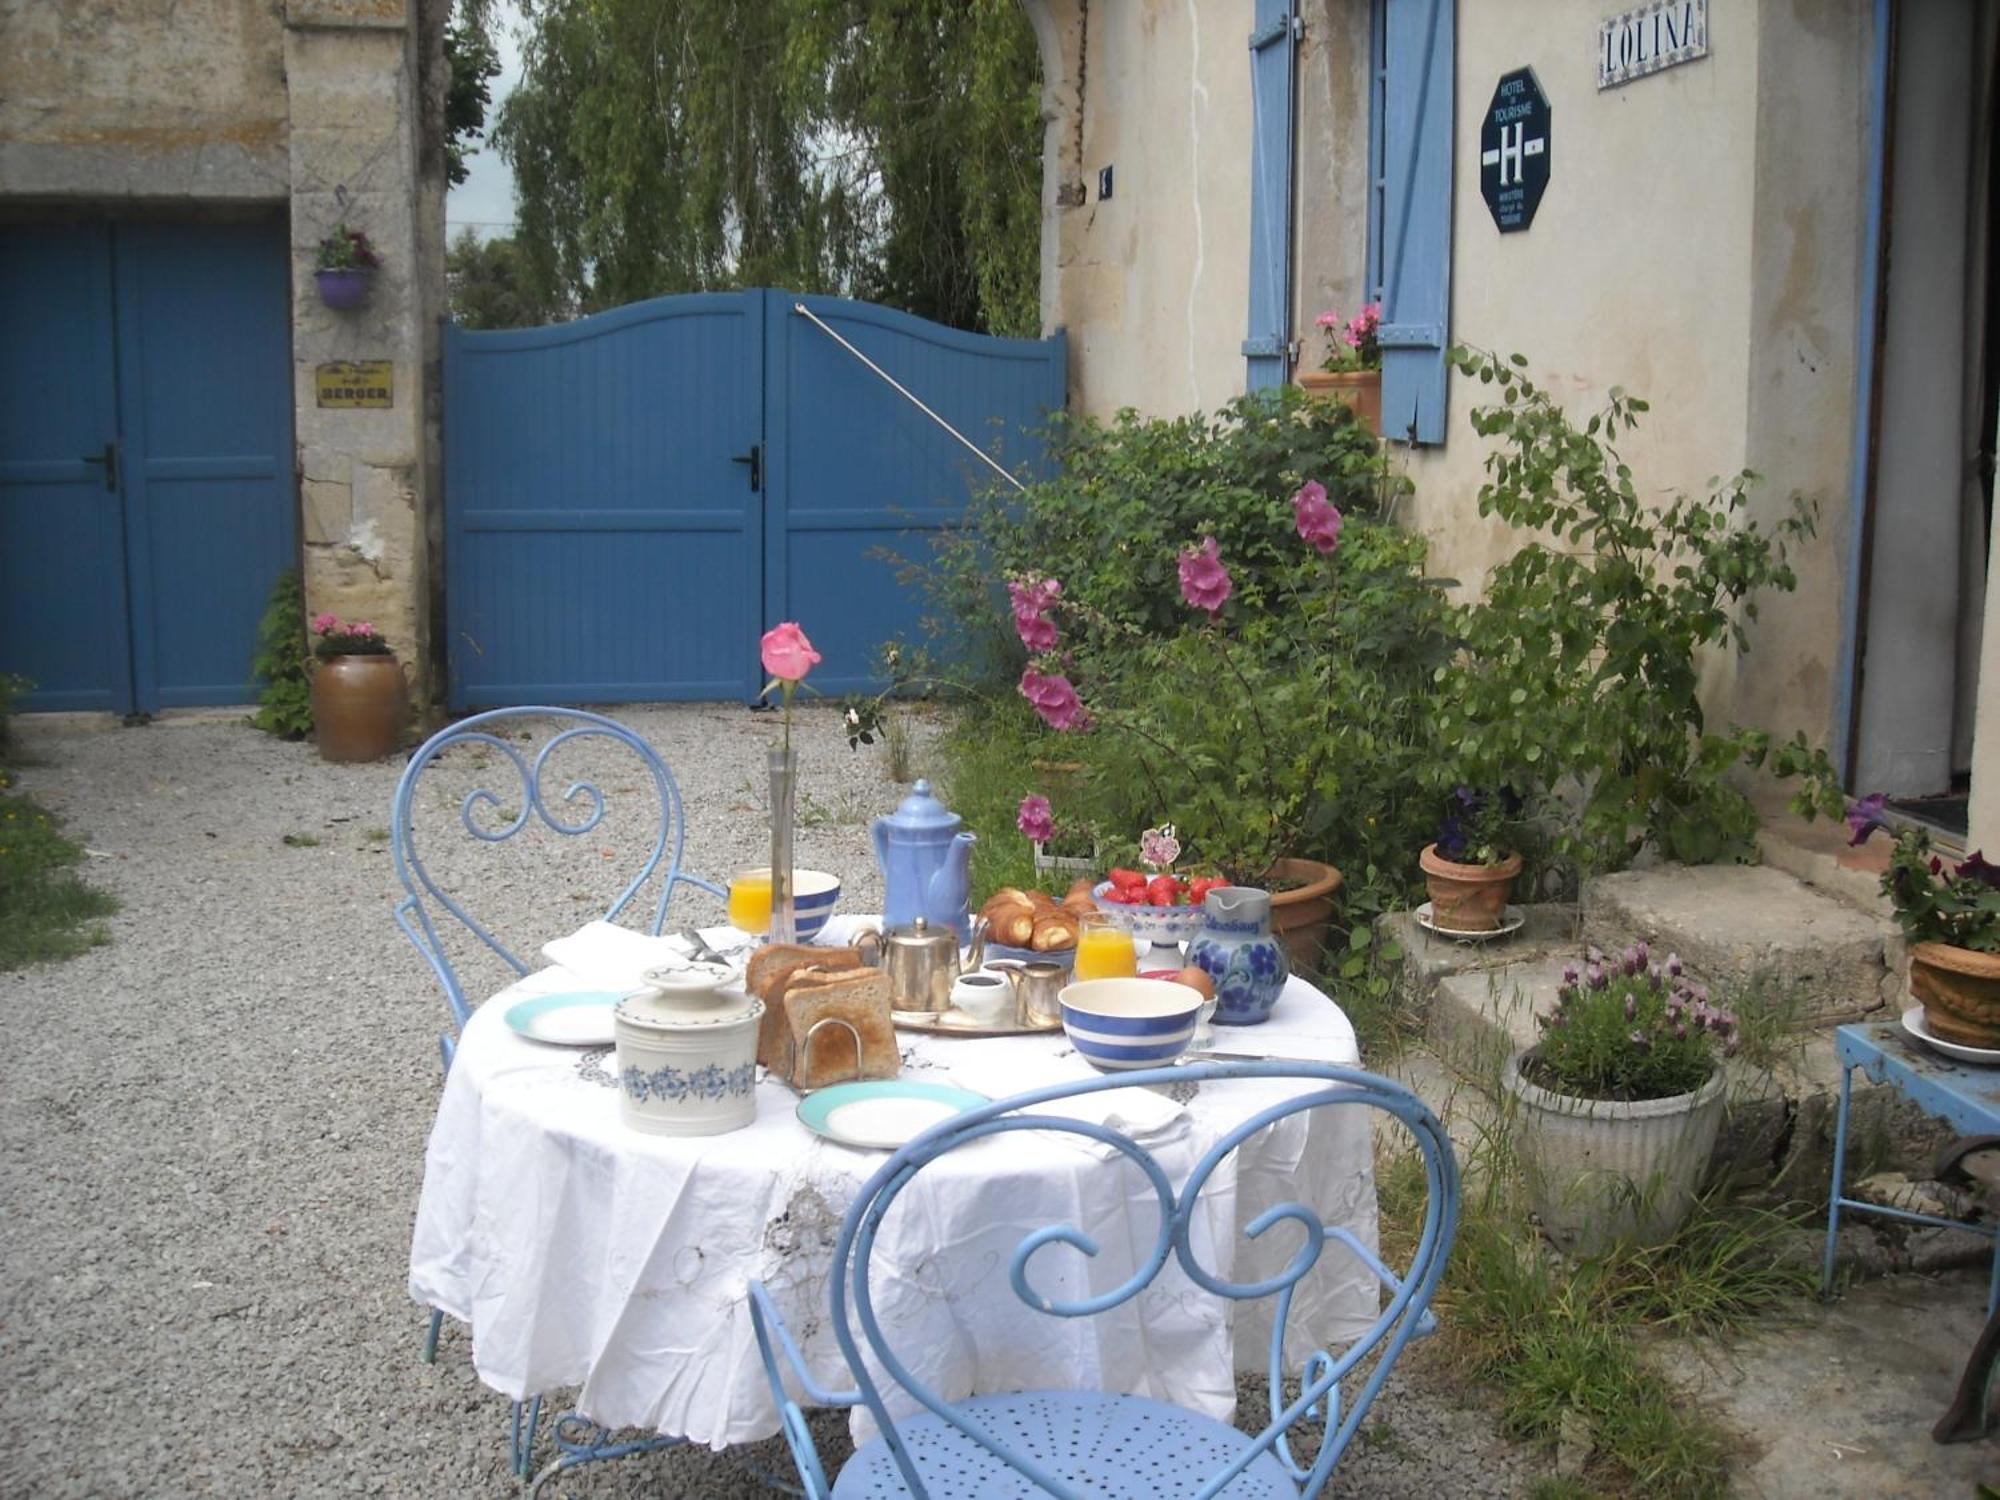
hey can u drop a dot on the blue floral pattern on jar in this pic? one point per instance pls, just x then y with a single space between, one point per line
711 1082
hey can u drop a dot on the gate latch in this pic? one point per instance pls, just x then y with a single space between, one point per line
754 458
109 458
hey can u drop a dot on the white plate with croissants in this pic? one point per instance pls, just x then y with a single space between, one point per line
1032 924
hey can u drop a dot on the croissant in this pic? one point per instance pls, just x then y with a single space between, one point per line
1014 926
1056 930
1005 897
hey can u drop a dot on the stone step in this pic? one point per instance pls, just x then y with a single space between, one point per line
1756 936
1428 958
1777 1137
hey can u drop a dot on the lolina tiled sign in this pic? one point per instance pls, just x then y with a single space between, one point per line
1649 38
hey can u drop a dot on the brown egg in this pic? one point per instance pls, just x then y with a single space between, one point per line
1196 978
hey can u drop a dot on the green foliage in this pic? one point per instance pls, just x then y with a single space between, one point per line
879 148
284 698
1581 661
12 686
346 250
1626 1028
46 913
490 285
471 62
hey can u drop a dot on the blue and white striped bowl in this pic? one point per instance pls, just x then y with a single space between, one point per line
1129 1023
814 896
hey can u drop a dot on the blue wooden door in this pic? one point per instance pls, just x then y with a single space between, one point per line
603 539
633 498
62 529
145 459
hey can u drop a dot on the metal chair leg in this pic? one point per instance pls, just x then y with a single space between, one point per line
431 1338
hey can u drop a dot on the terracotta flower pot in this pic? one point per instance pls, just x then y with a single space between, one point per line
1467 898
1960 989
359 707
1299 915
1360 391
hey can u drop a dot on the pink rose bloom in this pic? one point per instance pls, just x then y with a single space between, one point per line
324 623
1054 699
786 652
1318 518
1204 581
1037 632
1036 819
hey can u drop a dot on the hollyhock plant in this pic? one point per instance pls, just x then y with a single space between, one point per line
1036 819
1318 519
1205 582
1053 697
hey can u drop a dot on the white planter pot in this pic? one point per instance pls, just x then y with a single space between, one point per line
1601 1170
683 1072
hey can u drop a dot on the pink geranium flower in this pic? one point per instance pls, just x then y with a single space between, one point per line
324 623
1051 696
1319 519
1036 819
1204 581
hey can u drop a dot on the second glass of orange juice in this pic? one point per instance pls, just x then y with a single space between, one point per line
1104 950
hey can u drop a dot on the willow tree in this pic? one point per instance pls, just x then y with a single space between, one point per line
887 149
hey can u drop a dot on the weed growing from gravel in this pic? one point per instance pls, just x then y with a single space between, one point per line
46 912
1559 1343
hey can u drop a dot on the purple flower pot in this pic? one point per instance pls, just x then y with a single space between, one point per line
343 289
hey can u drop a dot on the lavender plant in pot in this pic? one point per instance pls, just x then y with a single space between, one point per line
1951 915
1619 1103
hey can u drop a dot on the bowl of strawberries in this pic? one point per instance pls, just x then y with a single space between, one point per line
1161 909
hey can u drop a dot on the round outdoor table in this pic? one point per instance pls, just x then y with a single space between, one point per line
583 1253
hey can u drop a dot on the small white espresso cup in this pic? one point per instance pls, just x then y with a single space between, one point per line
985 998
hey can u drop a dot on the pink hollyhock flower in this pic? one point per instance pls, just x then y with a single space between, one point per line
1033 595
1036 819
323 624
786 653
1037 632
1054 699
1204 581
1318 518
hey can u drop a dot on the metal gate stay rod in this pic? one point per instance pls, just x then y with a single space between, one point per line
904 391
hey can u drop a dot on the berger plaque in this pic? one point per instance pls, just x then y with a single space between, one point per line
356 382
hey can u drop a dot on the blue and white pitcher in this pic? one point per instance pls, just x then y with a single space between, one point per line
1235 948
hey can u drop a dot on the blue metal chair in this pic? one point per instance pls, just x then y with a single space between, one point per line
1077 1443
485 817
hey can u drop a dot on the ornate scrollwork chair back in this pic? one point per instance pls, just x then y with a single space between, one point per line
1060 1442
515 789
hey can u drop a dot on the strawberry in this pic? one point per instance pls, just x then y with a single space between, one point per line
1121 897
1163 890
1201 885
1126 880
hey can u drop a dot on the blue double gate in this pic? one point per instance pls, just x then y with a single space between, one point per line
632 498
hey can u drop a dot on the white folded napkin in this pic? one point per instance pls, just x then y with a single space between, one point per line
616 958
999 1070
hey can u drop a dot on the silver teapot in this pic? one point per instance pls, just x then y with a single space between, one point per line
922 961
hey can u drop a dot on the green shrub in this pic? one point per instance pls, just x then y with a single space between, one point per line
284 693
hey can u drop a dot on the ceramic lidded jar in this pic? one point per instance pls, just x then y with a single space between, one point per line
687 1054
1236 949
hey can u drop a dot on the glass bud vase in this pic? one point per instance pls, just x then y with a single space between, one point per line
784 765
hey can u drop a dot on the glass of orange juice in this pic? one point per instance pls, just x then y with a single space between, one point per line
1104 950
750 901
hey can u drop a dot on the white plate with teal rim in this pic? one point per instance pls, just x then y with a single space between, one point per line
1913 1023
575 1018
881 1114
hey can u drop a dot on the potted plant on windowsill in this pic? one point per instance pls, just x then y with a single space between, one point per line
358 698
1951 915
345 269
1352 369
1620 1101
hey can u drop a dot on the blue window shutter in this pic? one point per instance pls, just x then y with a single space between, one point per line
1266 350
1416 216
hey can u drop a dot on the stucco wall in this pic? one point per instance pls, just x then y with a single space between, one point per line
131 98
1151 284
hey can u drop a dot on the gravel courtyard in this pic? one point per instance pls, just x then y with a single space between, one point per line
212 1129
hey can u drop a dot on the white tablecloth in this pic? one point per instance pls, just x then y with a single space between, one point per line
586 1254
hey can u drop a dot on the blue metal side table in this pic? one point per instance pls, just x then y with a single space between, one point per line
1964 1096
